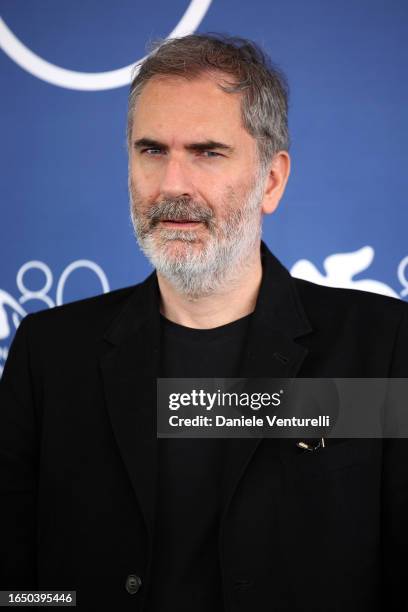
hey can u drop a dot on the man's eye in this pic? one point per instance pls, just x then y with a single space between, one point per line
151 151
211 154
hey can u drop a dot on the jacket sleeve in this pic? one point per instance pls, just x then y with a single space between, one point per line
18 468
395 496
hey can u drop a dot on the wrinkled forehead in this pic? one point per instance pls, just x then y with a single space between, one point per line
174 104
215 77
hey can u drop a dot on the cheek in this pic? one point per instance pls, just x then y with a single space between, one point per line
144 177
219 194
232 197
142 196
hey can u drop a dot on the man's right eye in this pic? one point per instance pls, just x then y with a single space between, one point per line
151 151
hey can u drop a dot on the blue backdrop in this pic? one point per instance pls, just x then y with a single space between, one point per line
65 229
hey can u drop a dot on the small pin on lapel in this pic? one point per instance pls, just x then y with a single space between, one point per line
311 447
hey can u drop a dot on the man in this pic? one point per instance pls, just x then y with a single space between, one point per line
91 500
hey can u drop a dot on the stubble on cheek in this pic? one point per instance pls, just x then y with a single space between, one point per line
139 209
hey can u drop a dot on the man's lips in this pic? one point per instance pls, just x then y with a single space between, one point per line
180 223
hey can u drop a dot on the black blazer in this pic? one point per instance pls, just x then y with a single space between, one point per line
323 531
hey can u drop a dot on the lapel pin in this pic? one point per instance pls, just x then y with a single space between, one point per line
311 447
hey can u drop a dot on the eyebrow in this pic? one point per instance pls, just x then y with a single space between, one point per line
193 146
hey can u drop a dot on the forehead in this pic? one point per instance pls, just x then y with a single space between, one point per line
170 104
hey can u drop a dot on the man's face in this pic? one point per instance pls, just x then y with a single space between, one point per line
194 182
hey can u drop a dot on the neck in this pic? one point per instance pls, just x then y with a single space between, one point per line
234 300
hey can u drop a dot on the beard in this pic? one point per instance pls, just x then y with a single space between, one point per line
199 262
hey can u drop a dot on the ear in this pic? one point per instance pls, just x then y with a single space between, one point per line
276 181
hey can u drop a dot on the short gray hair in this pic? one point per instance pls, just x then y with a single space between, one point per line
263 86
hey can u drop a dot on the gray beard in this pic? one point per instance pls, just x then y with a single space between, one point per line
227 252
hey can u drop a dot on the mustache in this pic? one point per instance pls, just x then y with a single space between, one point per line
179 209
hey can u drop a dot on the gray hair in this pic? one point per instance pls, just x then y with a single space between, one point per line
263 86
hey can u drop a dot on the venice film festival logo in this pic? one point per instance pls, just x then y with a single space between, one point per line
340 268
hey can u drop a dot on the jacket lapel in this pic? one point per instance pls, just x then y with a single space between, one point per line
129 370
271 352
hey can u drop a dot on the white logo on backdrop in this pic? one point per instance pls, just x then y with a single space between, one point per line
89 81
341 268
8 324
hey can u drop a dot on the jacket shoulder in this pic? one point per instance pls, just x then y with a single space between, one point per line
349 299
355 333
87 315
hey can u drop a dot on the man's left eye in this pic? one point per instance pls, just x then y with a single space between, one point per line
211 154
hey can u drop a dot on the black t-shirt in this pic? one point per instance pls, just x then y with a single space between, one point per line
186 573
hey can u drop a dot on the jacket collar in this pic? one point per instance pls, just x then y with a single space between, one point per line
141 309
278 302
278 305
278 319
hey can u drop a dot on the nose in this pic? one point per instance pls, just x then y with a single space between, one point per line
176 179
